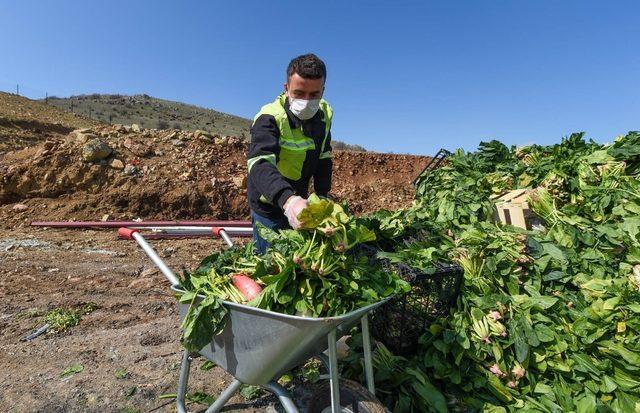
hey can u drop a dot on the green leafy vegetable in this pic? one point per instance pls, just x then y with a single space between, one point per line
308 273
547 319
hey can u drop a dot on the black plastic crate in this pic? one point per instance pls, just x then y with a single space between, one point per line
399 323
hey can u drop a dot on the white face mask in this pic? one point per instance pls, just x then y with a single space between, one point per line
304 109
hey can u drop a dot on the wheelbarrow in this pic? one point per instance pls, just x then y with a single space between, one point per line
258 346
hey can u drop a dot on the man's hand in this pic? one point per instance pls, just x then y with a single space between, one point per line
292 207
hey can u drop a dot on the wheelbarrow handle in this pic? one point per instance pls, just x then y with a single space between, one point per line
134 234
222 233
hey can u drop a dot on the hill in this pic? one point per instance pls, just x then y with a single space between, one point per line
129 172
25 122
150 112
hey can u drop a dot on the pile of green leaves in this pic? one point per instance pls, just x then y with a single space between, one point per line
547 320
311 272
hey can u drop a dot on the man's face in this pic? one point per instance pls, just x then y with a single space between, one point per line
300 88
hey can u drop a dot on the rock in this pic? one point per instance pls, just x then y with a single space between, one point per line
220 140
137 148
171 135
177 142
95 150
142 283
136 128
131 170
240 181
117 164
148 272
203 135
82 135
20 207
106 217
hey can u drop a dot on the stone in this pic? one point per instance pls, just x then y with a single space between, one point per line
82 135
117 164
240 181
177 142
141 283
148 272
171 135
105 217
136 128
95 150
131 170
20 207
137 148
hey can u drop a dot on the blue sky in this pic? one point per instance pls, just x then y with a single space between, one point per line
403 76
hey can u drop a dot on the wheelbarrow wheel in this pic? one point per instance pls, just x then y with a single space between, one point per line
354 398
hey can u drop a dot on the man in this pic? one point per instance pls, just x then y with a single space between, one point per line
290 144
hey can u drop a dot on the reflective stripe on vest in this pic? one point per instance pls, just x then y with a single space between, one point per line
269 158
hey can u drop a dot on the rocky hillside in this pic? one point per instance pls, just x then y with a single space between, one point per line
150 112
25 122
130 172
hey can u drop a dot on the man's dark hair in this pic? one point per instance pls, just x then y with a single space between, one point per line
308 66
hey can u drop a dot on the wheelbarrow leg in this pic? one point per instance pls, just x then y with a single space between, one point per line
283 395
224 397
333 372
366 349
182 382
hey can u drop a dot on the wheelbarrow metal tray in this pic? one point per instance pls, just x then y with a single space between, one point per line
257 345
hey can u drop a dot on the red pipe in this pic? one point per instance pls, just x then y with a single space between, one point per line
118 224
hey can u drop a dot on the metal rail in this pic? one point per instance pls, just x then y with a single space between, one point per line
138 224
435 162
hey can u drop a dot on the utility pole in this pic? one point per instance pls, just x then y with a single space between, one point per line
18 90
46 98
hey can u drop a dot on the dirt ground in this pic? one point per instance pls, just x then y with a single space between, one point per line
134 329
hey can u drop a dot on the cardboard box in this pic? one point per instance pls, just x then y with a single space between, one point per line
512 208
